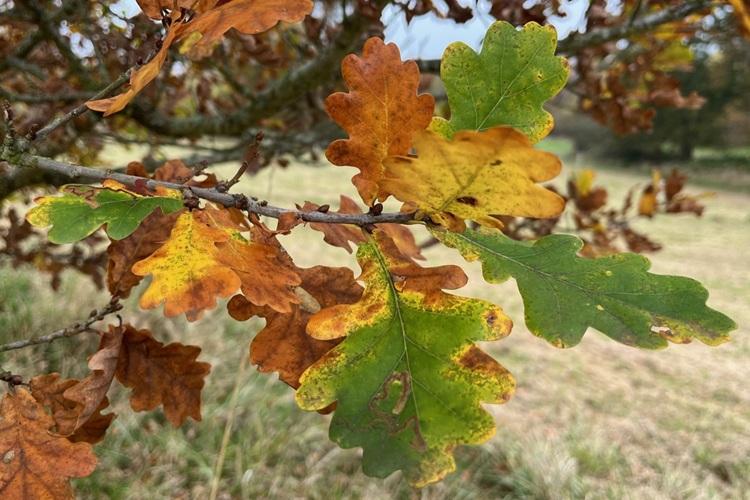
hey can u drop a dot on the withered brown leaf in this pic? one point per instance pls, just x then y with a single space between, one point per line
161 375
283 345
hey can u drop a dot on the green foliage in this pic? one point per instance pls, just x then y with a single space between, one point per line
82 210
407 379
564 294
507 83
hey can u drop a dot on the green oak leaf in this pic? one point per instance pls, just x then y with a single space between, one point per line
81 210
564 294
407 379
507 83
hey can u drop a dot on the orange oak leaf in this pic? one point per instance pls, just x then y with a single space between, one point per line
187 272
381 113
246 16
37 464
139 78
283 345
209 26
153 232
265 270
161 375
343 235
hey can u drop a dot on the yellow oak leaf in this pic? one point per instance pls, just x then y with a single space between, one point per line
475 176
187 272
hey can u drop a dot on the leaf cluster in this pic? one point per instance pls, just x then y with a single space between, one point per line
391 353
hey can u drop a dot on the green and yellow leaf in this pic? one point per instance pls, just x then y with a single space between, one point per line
187 271
82 209
408 380
507 83
564 294
474 176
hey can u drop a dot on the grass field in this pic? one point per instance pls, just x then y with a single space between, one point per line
597 421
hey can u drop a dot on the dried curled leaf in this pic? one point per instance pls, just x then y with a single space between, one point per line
90 392
474 176
187 271
36 464
161 375
49 391
381 112
407 379
201 33
283 345
81 210
507 83
565 294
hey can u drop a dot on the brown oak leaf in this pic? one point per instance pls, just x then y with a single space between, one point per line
37 464
283 345
161 375
90 392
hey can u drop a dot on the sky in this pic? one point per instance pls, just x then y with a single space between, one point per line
427 36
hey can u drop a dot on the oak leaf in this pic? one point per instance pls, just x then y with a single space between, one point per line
35 462
201 32
283 345
89 393
151 234
344 235
161 375
81 210
187 271
407 379
246 16
507 83
176 171
49 391
139 78
264 270
474 176
381 112
565 294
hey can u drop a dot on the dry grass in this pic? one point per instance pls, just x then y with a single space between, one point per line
597 421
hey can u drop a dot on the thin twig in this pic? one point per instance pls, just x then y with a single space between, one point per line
80 109
251 205
69 331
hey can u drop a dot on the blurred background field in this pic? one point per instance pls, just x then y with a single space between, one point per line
597 421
